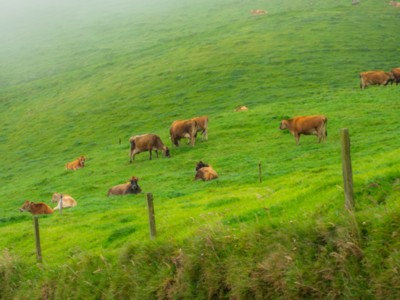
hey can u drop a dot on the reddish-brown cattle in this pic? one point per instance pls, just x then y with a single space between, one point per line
396 74
183 129
202 125
131 187
394 3
147 142
205 172
306 125
36 208
375 78
76 164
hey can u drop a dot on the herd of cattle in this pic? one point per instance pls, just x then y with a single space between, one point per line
188 129
181 129
379 77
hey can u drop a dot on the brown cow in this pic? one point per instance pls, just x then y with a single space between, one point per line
36 208
396 74
67 201
241 108
375 78
255 12
183 129
202 125
147 142
394 3
131 187
205 172
306 125
76 164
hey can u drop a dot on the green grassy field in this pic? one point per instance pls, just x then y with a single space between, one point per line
77 78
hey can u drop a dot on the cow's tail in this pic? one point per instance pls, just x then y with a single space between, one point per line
326 130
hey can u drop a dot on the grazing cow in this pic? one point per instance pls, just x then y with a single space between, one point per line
306 125
241 108
36 208
255 12
394 3
202 125
396 74
131 187
67 201
183 129
76 164
205 172
147 142
375 78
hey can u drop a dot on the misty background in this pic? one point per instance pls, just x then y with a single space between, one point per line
36 35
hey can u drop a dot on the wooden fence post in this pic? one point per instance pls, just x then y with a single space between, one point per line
347 170
61 203
152 221
259 172
37 236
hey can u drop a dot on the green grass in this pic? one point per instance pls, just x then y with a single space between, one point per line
76 81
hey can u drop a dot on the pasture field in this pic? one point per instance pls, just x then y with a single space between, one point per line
78 78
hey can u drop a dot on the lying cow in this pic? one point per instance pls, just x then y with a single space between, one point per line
255 12
183 129
394 3
67 201
375 78
131 187
306 125
76 164
36 208
396 74
205 172
241 108
147 142
202 125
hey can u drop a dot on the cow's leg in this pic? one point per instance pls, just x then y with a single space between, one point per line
192 139
150 154
205 134
297 137
157 153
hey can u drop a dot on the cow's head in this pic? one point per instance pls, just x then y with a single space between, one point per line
166 152
26 206
200 165
134 184
56 197
82 160
284 125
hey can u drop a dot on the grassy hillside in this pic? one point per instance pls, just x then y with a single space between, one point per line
77 78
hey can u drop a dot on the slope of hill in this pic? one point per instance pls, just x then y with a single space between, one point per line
76 79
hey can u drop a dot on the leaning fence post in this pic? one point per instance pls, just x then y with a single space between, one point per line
37 236
259 172
347 170
152 221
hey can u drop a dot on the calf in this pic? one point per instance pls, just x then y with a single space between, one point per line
202 125
147 142
67 201
131 187
76 164
375 78
306 125
36 208
205 172
183 129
